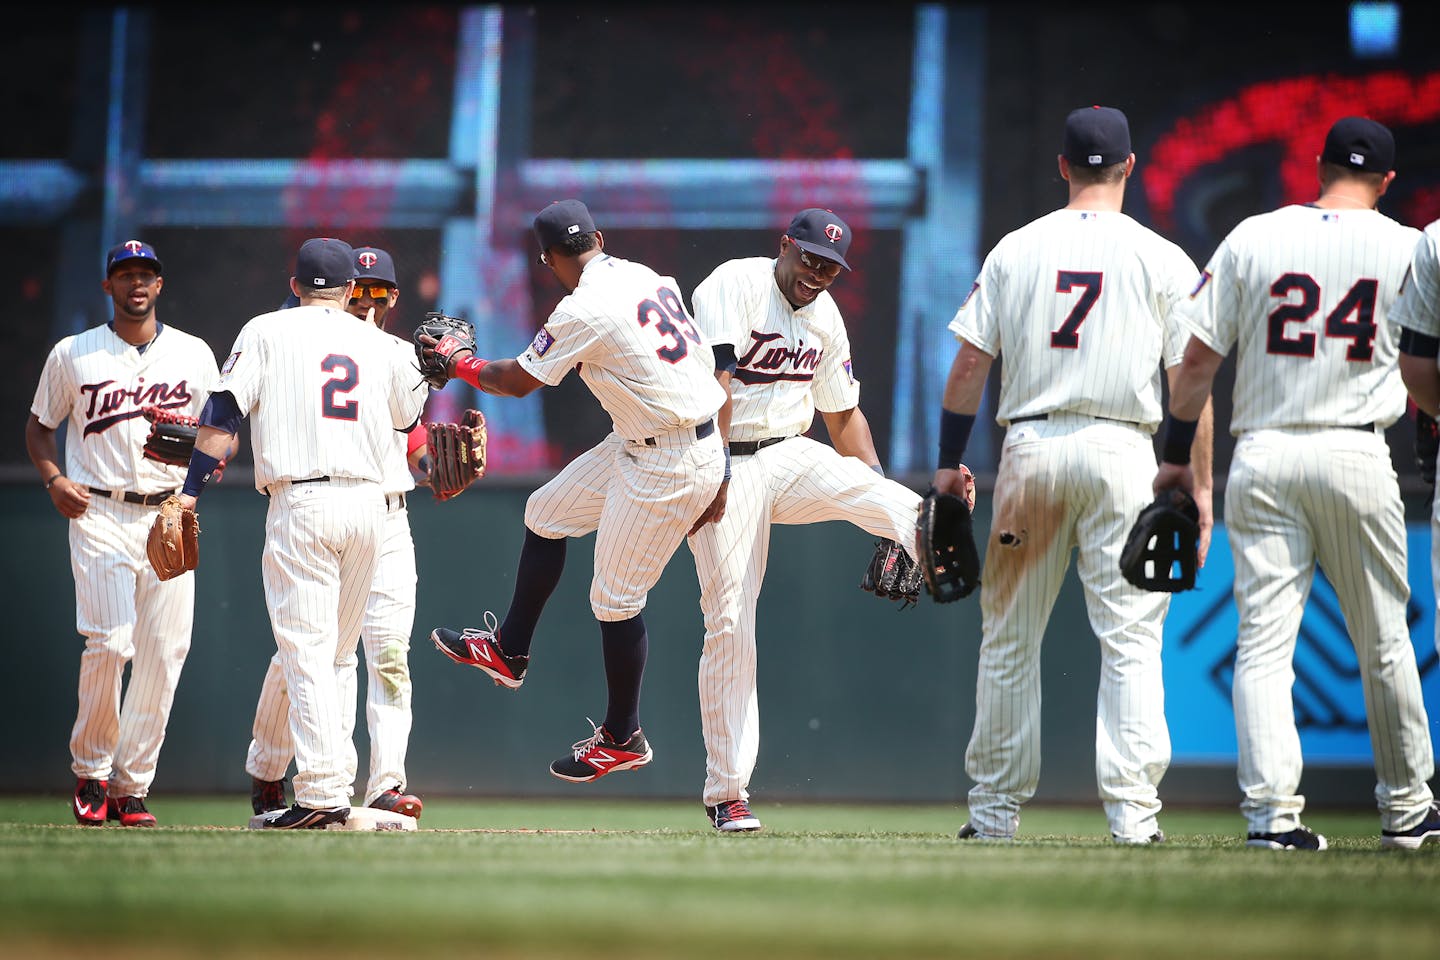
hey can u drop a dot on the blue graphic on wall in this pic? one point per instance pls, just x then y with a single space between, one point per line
1329 705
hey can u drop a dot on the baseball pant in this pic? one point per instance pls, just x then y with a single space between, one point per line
795 482
126 615
640 501
385 636
1068 483
1296 496
322 547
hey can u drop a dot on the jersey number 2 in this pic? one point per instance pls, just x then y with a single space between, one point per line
1360 331
1068 336
346 377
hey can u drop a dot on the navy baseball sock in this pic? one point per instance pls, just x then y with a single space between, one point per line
626 644
542 560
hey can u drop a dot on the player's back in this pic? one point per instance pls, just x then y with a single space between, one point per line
1303 294
324 392
1079 303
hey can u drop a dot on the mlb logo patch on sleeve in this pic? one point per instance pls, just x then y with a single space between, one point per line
229 363
1200 284
542 343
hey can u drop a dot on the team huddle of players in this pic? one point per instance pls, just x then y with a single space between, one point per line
708 448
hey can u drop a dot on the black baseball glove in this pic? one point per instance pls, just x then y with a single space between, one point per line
1166 536
452 335
892 574
945 539
1427 444
172 436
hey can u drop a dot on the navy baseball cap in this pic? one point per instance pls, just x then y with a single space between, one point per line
131 250
324 262
1360 143
372 263
1096 136
560 221
822 233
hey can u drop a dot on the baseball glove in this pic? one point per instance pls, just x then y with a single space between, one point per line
945 539
172 436
1165 536
457 454
452 335
174 542
892 574
1427 444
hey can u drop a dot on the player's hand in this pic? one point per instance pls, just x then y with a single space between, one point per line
959 482
1172 475
71 500
1204 500
454 358
186 501
715 511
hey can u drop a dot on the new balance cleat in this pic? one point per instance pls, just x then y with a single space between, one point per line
480 648
90 805
733 816
131 812
397 802
593 758
1301 838
267 795
1426 831
304 818
967 832
1157 837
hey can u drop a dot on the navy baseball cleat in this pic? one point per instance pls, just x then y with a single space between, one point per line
131 812
593 758
1301 838
267 795
1426 831
733 816
90 805
303 818
397 802
479 648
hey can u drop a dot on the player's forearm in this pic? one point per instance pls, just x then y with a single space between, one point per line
1202 450
965 385
1422 379
44 452
1190 381
850 435
727 409
504 378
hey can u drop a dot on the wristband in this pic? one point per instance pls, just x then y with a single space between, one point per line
878 469
202 467
1179 436
954 435
726 448
51 482
468 369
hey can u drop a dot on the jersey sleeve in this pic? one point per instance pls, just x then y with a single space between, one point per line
1212 309
563 342
55 394
835 387
1178 277
240 374
977 320
408 392
1418 307
718 305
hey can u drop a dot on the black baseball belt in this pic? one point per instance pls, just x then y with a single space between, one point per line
1093 416
144 499
744 448
702 430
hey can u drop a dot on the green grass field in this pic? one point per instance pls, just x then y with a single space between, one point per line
542 879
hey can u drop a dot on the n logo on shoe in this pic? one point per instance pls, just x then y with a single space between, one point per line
601 761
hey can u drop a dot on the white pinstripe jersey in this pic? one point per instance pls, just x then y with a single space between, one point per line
1419 305
638 351
789 361
397 478
324 393
1082 304
101 383
1304 295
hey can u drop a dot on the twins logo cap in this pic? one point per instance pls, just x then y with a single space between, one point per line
1360 143
324 262
372 263
560 221
822 233
131 250
1096 137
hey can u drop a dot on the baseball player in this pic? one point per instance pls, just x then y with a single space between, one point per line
641 489
389 612
1302 294
781 351
322 434
1082 304
100 381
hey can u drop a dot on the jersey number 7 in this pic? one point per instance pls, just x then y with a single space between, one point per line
1067 337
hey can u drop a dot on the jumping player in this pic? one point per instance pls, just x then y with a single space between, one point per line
781 352
389 612
100 381
641 489
1082 304
1302 294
